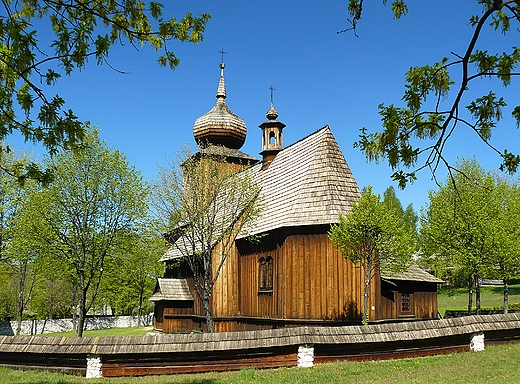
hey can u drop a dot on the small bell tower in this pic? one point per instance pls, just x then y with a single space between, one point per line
272 137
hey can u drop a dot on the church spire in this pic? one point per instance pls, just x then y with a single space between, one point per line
220 126
221 91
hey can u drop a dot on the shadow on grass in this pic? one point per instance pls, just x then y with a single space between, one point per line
498 290
513 290
453 291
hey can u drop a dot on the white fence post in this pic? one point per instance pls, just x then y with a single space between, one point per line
477 342
94 367
306 355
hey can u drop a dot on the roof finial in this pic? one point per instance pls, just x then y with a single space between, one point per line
222 65
221 90
272 114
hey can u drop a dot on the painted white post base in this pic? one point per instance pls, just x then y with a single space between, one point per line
477 342
94 366
305 356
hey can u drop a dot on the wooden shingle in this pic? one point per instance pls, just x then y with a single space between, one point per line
172 289
413 273
308 183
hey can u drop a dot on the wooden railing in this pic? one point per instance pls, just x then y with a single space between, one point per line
303 346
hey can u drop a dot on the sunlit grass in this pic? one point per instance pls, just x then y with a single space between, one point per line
497 364
491 297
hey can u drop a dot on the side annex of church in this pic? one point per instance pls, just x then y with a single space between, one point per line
294 275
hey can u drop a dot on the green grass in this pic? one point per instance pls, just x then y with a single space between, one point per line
457 298
130 331
497 364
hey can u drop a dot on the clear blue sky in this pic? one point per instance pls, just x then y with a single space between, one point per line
321 78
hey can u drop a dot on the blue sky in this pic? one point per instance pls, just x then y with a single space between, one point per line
321 78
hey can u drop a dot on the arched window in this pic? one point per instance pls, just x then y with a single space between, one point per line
262 274
269 282
265 274
272 138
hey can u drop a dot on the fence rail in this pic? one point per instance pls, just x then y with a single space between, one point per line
303 346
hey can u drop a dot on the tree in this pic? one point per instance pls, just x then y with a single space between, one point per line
11 196
17 253
205 204
95 198
373 236
505 256
464 226
408 216
8 289
392 201
24 268
131 275
435 100
81 30
51 296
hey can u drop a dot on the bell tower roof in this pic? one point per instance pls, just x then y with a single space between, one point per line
220 126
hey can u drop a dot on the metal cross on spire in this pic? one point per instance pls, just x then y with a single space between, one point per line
272 90
222 65
223 53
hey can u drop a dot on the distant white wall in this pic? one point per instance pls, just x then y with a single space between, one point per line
33 327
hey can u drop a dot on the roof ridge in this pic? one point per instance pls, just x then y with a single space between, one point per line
306 137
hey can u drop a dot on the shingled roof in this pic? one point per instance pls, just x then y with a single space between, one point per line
414 273
308 183
171 289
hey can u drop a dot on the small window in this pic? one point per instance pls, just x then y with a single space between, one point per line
269 262
272 138
262 274
265 274
405 303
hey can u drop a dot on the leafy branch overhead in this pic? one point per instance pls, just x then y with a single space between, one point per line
80 30
434 100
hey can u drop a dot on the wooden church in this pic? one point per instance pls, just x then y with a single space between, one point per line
295 275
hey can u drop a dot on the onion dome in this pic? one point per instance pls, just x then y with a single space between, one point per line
271 114
220 126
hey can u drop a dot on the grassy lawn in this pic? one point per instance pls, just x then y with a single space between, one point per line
497 364
457 298
130 331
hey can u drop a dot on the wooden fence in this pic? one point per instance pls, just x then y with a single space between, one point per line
303 346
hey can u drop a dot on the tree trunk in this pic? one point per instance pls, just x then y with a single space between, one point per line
82 306
19 315
209 316
20 304
81 318
506 297
477 295
140 307
470 295
367 292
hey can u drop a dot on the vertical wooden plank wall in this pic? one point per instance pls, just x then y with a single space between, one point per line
225 292
312 280
424 300
425 304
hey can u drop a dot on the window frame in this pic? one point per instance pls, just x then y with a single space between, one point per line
406 304
265 275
